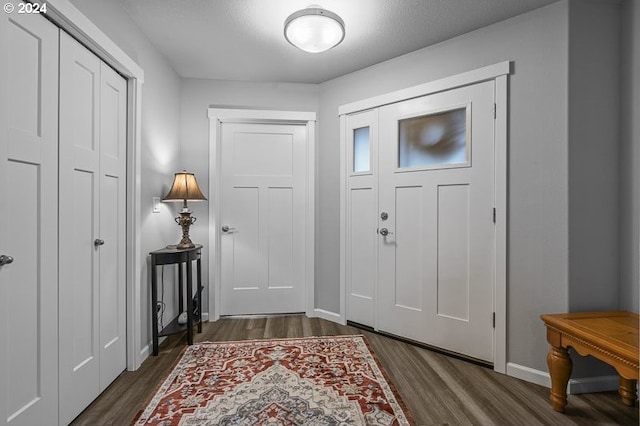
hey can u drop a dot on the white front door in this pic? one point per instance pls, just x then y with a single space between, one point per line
92 227
28 220
263 221
436 247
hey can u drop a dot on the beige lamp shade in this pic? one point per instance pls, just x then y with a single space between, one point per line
184 187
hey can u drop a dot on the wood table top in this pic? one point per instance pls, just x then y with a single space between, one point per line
616 330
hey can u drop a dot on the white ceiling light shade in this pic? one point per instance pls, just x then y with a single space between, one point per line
314 29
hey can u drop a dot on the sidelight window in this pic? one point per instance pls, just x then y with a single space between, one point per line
361 150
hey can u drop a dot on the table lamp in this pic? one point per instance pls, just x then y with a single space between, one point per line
185 188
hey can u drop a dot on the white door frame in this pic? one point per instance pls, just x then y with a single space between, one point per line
217 116
66 16
497 72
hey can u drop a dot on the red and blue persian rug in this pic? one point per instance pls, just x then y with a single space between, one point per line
309 381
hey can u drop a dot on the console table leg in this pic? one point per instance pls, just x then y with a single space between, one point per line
154 309
189 305
560 367
627 391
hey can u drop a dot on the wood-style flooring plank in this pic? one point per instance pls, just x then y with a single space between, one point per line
437 389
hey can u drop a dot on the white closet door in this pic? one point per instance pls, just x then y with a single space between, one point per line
28 220
113 119
92 226
79 227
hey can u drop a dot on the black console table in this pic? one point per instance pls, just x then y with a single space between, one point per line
182 257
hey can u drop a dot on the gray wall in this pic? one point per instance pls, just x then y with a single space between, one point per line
594 139
537 43
630 157
197 97
160 137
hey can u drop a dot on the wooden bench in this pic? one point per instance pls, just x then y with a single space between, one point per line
611 337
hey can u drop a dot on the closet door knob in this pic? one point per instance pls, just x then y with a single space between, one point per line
5 260
98 242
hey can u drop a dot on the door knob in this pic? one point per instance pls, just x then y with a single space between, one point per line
5 260
384 232
225 228
98 242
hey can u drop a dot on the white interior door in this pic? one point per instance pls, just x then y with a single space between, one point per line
92 227
28 220
263 220
361 135
436 281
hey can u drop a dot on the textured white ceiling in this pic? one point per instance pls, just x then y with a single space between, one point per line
243 39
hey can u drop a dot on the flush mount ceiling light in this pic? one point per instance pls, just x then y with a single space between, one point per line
314 29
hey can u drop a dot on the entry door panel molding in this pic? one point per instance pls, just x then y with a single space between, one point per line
261 211
441 249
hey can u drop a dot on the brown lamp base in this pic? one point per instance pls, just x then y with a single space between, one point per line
185 220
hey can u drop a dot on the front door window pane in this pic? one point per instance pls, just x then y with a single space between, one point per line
434 140
361 150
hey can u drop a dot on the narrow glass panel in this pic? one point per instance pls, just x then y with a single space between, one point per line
361 150
433 140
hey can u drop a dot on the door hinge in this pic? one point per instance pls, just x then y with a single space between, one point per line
494 320
495 111
494 215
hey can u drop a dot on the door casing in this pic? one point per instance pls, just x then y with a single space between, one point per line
499 73
230 115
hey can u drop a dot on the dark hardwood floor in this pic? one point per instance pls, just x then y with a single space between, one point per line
437 389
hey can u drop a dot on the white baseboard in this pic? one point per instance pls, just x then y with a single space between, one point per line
144 353
205 317
575 386
146 350
529 374
327 315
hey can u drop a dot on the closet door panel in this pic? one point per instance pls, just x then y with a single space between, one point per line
113 119
79 227
28 220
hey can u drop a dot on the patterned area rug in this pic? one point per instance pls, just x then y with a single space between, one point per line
311 381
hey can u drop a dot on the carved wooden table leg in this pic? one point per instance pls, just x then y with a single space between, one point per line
628 391
560 367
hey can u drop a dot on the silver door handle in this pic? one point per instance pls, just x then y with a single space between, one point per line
5 260
225 228
384 232
98 242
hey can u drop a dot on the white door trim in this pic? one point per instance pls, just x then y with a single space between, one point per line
66 16
221 115
490 72
499 73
